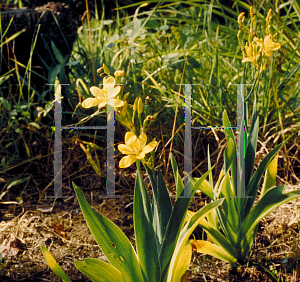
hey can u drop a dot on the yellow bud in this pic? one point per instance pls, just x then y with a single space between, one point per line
126 96
119 73
140 106
124 109
135 104
100 70
241 17
269 16
106 70
251 11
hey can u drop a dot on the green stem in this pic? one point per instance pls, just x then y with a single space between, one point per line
138 166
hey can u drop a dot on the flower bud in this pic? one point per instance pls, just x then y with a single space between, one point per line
140 106
124 109
100 70
135 104
106 70
119 73
269 16
241 17
126 96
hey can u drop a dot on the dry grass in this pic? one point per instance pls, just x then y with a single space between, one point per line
276 242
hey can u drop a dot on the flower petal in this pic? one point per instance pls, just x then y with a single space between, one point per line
258 40
130 137
267 41
247 60
149 148
102 104
140 156
127 161
270 46
97 92
90 102
117 90
142 140
110 80
110 90
116 103
126 150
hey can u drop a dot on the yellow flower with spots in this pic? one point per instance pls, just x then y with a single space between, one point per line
135 147
104 96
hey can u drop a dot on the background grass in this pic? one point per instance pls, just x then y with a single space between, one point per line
159 47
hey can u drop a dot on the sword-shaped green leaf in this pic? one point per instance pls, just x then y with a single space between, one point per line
178 180
188 229
99 271
251 189
54 265
144 230
113 242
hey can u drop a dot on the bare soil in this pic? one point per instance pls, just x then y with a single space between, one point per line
275 249
60 226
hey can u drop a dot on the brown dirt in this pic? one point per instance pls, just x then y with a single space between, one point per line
64 231
276 242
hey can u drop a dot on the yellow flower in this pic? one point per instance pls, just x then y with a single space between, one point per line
270 46
119 73
135 148
267 46
250 51
104 96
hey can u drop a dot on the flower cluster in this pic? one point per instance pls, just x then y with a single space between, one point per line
131 116
256 49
